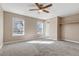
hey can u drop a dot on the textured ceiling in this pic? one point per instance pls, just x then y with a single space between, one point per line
58 9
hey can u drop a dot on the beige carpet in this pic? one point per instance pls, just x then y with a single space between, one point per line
41 48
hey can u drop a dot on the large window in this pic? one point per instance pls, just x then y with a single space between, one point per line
18 26
40 27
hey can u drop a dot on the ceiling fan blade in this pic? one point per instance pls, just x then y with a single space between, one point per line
38 5
46 11
33 9
47 6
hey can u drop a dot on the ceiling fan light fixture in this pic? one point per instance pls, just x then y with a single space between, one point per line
42 8
40 11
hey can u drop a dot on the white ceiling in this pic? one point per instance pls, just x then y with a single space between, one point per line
58 9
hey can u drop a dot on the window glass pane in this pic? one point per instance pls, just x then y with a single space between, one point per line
40 27
18 26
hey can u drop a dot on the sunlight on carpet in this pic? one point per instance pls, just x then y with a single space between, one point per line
41 42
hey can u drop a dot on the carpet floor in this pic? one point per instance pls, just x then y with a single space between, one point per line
42 47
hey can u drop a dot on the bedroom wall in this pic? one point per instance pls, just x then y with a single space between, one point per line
67 29
53 28
1 28
70 28
30 27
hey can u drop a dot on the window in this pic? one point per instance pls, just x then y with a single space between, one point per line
18 26
40 26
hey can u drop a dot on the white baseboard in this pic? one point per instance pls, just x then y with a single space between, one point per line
17 41
71 41
11 42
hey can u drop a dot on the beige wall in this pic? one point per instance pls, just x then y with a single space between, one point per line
64 28
30 27
67 29
70 28
1 28
52 28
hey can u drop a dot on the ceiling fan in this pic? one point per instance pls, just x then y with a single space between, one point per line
41 7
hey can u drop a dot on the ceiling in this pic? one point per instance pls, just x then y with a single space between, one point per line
58 9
